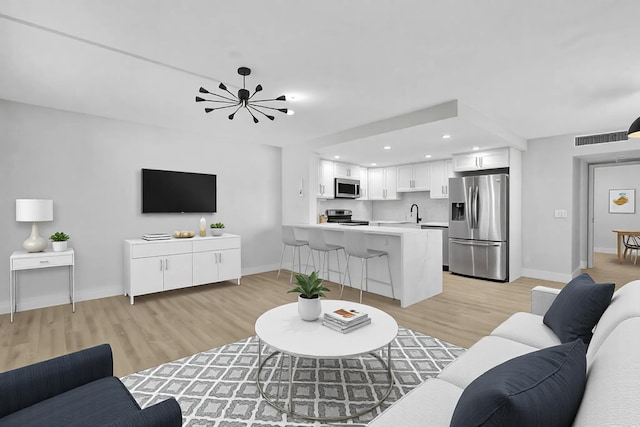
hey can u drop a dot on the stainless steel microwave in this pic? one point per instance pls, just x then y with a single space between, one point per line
347 188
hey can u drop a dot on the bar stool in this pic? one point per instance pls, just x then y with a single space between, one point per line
355 245
318 243
289 239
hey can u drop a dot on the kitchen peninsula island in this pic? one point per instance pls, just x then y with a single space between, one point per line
415 258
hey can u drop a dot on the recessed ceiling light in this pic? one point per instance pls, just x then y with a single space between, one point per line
336 157
373 164
290 112
446 136
387 147
476 148
428 156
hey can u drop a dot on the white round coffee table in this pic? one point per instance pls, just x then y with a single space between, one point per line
282 330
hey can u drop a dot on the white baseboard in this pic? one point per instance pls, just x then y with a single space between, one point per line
32 303
546 275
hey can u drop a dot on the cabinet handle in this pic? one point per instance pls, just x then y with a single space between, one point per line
166 264
220 255
160 265
44 261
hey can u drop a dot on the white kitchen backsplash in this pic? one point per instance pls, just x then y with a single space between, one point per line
392 210
361 208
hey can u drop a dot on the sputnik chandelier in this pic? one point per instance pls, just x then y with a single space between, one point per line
242 100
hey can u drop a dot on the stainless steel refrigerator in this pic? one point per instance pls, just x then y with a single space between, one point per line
478 226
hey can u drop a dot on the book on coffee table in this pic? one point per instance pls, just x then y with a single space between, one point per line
345 317
345 329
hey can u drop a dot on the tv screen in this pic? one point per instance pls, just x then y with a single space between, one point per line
169 191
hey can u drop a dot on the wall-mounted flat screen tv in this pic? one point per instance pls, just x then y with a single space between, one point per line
171 191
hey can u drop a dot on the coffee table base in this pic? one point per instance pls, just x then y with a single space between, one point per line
280 405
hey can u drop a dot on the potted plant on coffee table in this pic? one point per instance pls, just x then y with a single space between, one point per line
311 290
59 241
217 229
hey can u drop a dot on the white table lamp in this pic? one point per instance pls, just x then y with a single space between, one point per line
34 210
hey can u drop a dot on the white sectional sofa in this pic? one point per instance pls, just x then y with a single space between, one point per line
612 392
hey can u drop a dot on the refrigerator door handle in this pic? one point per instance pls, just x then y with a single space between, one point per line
475 207
469 209
474 242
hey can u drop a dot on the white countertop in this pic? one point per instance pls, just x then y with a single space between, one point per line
394 231
436 223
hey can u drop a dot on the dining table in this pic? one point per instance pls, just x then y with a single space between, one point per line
621 234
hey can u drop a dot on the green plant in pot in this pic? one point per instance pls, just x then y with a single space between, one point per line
310 290
59 241
217 229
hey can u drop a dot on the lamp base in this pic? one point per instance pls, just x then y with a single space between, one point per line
34 242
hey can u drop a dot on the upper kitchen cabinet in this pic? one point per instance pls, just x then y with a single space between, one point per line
491 159
415 177
344 170
326 176
382 183
440 173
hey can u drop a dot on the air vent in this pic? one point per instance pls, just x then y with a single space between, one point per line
602 138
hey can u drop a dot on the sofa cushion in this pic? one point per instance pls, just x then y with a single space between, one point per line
577 308
431 403
613 380
95 403
543 388
624 305
485 354
528 329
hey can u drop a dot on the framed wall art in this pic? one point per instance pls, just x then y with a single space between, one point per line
622 201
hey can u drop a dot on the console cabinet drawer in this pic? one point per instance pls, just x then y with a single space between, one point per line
29 263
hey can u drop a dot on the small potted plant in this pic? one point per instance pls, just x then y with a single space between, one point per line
59 241
311 290
217 229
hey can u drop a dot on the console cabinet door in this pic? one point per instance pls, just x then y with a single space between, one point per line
205 267
229 264
147 275
178 271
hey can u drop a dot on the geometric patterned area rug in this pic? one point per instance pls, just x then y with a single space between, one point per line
217 388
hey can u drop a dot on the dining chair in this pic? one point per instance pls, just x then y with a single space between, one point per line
631 245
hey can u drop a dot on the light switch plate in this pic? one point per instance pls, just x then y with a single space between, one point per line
560 213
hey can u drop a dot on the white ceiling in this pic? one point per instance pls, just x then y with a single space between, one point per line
365 73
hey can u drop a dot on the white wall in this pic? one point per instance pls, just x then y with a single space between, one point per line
607 178
90 167
554 177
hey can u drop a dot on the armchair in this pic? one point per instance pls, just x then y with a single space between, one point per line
77 389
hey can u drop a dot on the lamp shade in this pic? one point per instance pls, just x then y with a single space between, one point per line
34 210
634 130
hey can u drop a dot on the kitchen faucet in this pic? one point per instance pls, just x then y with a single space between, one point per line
418 219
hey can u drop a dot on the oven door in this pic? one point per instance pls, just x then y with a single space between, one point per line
347 188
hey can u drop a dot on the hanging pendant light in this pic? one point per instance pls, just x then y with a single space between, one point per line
244 99
634 130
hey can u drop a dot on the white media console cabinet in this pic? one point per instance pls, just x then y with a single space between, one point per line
162 265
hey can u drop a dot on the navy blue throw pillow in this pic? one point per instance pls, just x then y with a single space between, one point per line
543 388
577 308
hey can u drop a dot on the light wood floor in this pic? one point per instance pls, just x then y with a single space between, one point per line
167 326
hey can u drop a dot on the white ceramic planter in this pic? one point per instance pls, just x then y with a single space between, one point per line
217 231
309 309
59 246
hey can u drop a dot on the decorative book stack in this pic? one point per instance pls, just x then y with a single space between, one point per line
156 236
344 320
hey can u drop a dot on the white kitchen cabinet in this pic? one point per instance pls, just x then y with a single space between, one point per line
326 177
364 184
345 170
441 171
382 183
414 177
480 160
162 265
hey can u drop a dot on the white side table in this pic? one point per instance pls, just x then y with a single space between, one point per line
22 260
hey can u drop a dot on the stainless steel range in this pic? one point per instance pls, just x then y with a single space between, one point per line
343 217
